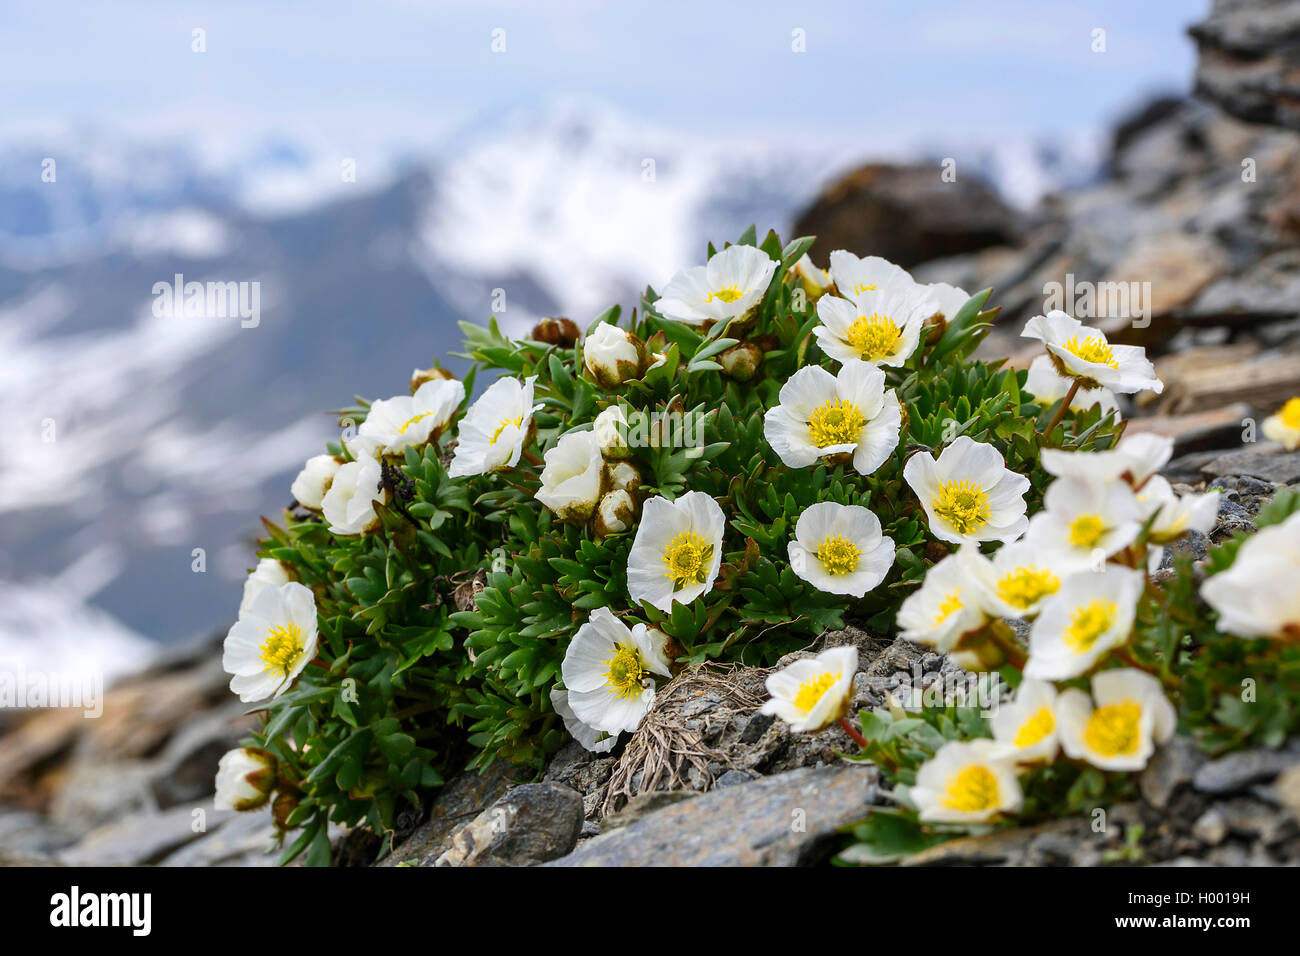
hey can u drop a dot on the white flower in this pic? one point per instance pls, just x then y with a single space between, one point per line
1175 515
269 573
1259 595
948 298
965 782
607 671
1091 614
615 513
271 642
822 415
1284 426
1016 580
855 278
592 739
245 779
309 488
882 327
815 281
394 424
677 550
1086 521
840 549
1049 387
1131 716
349 505
968 493
813 693
944 609
1135 459
493 431
613 355
1025 728
1085 355
572 476
734 281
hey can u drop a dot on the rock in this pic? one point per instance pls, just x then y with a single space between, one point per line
1287 790
1197 431
28 834
789 819
1237 771
460 800
140 838
907 214
531 824
1248 60
1172 767
246 840
1264 383
1266 291
1211 828
1266 462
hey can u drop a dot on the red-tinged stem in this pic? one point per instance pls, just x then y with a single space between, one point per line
1065 404
852 731
530 456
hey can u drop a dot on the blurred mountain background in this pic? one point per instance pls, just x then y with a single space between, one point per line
475 172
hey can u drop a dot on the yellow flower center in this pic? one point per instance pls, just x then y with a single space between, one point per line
963 504
688 557
505 422
838 555
874 337
281 648
1113 730
1086 531
417 418
1042 723
1025 587
729 293
862 287
836 422
1093 350
812 690
1290 413
623 672
1088 623
972 789
948 606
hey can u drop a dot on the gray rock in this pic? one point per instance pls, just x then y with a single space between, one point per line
1173 766
142 838
785 820
246 840
1237 771
463 798
1247 60
1210 827
533 823
1283 468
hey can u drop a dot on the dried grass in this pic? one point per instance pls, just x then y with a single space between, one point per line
663 747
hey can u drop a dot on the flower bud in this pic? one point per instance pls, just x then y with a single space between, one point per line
616 513
611 431
314 481
556 331
815 281
282 807
741 361
625 476
612 355
423 375
245 779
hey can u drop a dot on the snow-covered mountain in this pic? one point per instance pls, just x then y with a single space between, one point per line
139 438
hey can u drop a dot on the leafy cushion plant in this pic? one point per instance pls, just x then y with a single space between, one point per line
761 452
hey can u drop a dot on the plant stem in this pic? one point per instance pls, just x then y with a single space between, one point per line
852 731
1065 404
531 456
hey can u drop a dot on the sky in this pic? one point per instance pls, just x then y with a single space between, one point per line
393 75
